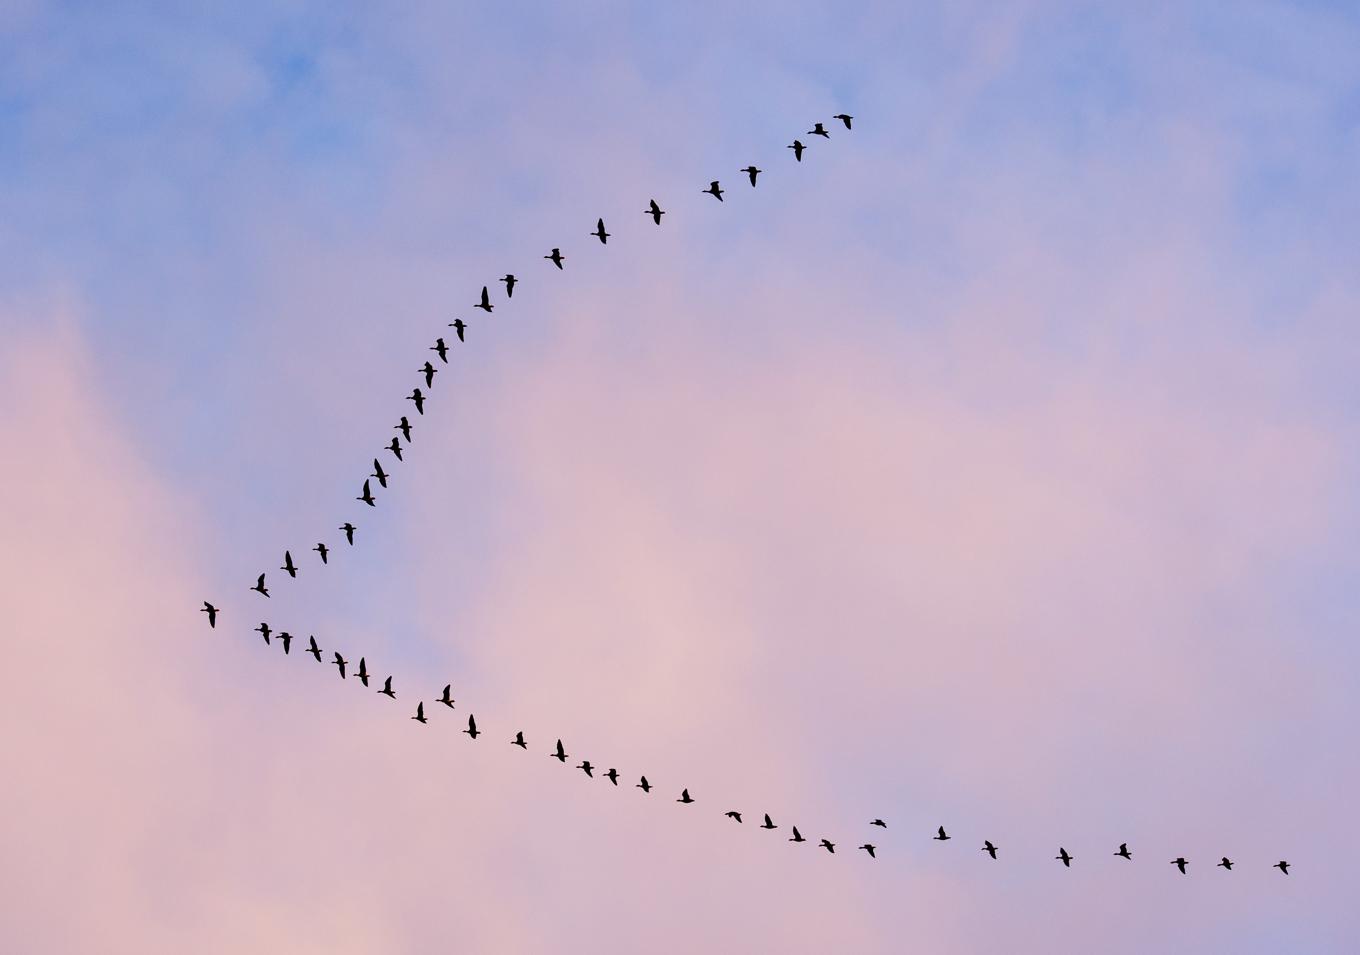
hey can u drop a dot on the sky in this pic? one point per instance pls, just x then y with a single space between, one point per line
994 467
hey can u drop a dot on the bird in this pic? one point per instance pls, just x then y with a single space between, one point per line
472 727
211 611
844 118
988 848
458 325
419 399
428 371
288 564
362 672
685 797
420 713
395 446
561 754
752 171
556 257
1225 864
768 823
733 814
819 130
485 304
404 427
1064 857
880 823
387 689
379 473
714 190
322 549
612 775
264 631
1124 851
828 845
519 740
348 528
313 649
588 769
600 234
340 662
440 349
644 785
446 699
1282 865
797 148
366 497
942 836
509 281
869 849
1180 863
797 836
260 587
286 639
656 212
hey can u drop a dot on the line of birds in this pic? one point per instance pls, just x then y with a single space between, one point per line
559 753
428 371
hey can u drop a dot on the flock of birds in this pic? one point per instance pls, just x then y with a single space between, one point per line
405 428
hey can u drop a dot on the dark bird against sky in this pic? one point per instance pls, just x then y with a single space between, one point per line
260 587
485 304
600 234
752 171
656 212
288 564
348 528
797 148
555 257
211 611
714 190
509 281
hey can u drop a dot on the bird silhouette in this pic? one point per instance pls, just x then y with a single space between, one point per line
685 797
366 497
387 690
519 740
880 823
656 212
322 549
348 528
211 611
869 849
644 785
942 836
419 399
288 564
428 371
561 754
362 672
379 473
264 631
286 639
586 768
404 427
260 587
440 349
733 814
446 699
819 130
600 234
1282 865
420 713
395 446
828 845
988 848
472 727
1064 857
797 836
509 281
313 649
752 171
341 663
458 325
1124 851
612 775
844 118
485 304
1180 863
797 148
714 190
768 823
1225 864
556 257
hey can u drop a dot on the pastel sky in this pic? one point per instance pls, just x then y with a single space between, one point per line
994 467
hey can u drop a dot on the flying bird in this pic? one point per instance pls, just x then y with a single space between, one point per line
844 118
211 611
428 371
600 234
313 649
519 740
656 212
288 564
869 849
819 130
322 549
828 845
404 427
446 699
395 446
472 727
509 281
1225 864
752 171
588 769
1180 863
797 148
684 797
440 349
942 836
387 689
644 785
880 823
1282 865
797 836
379 473
1124 851
561 754
420 713
714 190
366 497
457 325
485 304
733 814
613 775
419 399
362 673
768 823
988 848
264 631
1064 857
260 587
348 528
340 662
286 639
556 257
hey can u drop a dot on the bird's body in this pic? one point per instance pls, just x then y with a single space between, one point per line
1064 857
1180 863
880 823
509 281
286 639
612 775
404 426
472 727
348 528
844 118
644 785
733 814
1225 863
458 325
828 845
715 190
988 848
797 148
941 835
420 713
387 690
685 797
313 649
819 130
600 234
362 672
561 754
768 823
260 587
586 768
440 349
378 471
264 631
428 371
555 257
1282 865
341 662
322 549
752 171
211 611
419 398
446 699
519 740
367 496
288 564
869 849
656 212
1124 851
797 836
395 446
485 304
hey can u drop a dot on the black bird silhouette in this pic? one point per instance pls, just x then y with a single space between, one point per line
1225 864
561 754
519 740
752 171
405 428
733 814
420 713
458 325
588 769
211 611
942 836
714 190
260 587
446 699
509 281
288 564
797 148
472 727
313 649
362 674
322 549
428 371
797 836
869 849
387 689
684 797
440 349
644 785
556 257
1282 865
613 775
485 304
819 130
1124 851
419 399
1180 863
1064 857
348 528
656 212
286 639
395 446
988 848
844 118
880 823
768 823
366 497
264 631
340 662
379 473
600 234
828 845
